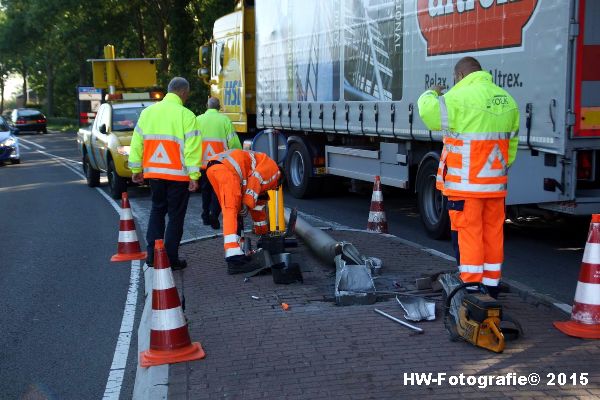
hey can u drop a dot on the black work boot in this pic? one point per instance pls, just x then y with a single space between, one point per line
494 291
179 265
214 221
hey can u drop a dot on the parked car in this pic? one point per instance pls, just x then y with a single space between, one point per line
29 120
105 145
9 144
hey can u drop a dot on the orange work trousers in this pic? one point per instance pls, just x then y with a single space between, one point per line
227 187
259 217
478 237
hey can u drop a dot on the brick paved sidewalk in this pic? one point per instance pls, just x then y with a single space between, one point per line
318 350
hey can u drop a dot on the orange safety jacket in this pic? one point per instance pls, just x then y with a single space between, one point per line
474 164
258 173
166 142
480 122
218 134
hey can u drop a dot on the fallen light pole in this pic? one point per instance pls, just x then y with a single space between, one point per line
353 281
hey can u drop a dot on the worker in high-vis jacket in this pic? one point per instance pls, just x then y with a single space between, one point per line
166 150
218 135
480 123
241 179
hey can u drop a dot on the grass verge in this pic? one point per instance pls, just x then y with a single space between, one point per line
62 124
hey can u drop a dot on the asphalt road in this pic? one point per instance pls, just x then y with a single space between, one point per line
62 299
540 254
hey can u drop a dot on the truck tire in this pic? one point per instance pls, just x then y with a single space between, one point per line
92 176
431 202
116 184
298 168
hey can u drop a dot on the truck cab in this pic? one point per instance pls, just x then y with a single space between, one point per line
227 66
104 146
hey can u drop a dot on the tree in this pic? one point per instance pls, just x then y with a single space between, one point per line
48 42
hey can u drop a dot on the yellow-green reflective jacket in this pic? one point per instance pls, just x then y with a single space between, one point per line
166 142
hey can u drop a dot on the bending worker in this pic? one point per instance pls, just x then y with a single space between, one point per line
480 123
218 135
165 148
239 178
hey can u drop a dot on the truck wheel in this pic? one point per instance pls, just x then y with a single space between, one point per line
92 176
298 167
431 202
116 184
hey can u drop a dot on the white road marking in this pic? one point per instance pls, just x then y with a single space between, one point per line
64 162
117 369
23 146
39 146
60 158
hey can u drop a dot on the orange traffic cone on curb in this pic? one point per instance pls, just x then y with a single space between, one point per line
585 317
128 248
377 221
170 341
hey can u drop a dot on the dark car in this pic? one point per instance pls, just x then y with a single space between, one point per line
28 120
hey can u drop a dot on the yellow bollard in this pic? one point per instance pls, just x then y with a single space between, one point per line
111 72
276 200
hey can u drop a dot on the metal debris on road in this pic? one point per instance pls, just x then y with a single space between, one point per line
415 328
417 308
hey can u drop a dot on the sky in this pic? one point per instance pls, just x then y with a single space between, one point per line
11 86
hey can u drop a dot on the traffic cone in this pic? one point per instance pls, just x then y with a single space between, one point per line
377 221
585 316
128 248
169 336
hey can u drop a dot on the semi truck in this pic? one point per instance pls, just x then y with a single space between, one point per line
341 78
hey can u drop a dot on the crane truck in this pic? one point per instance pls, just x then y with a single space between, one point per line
341 78
104 145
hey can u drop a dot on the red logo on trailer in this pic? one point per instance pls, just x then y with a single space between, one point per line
459 26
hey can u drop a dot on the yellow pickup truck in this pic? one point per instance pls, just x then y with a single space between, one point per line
104 145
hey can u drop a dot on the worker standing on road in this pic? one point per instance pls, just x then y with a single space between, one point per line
218 135
240 179
480 123
165 148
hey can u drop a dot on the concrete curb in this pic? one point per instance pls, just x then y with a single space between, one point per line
150 383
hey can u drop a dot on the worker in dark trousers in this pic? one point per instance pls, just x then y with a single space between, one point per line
480 123
165 149
218 135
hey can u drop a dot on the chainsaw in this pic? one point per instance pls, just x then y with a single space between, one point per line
477 319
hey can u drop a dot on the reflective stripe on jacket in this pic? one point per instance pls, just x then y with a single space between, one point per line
218 134
480 123
258 173
474 163
166 142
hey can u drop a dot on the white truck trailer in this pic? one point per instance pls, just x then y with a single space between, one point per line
341 79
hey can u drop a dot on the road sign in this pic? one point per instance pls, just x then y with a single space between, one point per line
129 73
89 93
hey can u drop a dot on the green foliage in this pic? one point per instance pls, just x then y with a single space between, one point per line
62 124
49 41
